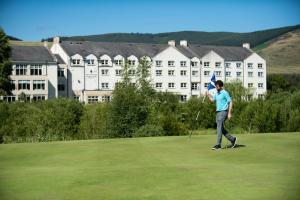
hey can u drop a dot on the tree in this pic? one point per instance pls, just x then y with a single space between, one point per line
5 65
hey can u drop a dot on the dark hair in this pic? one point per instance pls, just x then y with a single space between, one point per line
219 83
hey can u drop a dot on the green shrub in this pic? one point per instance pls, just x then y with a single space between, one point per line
149 130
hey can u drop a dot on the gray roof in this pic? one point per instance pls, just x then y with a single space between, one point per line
112 49
31 54
59 59
229 53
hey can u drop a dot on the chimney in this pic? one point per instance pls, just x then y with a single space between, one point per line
171 43
56 40
183 43
246 45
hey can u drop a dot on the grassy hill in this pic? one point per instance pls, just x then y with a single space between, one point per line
158 168
196 37
282 53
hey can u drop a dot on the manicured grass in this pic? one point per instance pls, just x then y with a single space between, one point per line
268 167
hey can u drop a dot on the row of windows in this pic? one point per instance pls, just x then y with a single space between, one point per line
194 86
34 69
35 97
95 99
171 63
25 84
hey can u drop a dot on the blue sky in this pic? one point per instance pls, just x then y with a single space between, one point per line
34 20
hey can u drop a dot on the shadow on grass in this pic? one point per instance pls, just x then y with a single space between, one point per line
236 146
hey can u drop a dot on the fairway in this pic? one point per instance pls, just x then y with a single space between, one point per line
268 167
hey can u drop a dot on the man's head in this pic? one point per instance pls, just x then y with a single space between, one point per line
219 85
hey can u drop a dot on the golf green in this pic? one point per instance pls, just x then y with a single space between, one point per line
266 166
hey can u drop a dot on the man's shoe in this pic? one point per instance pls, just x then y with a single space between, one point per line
234 142
216 147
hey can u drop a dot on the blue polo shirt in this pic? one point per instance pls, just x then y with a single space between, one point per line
222 99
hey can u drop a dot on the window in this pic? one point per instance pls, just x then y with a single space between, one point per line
90 61
194 64
118 72
260 85
158 63
206 73
61 87
158 72
9 98
35 69
171 85
183 72
131 62
21 69
227 65
250 65
194 86
24 85
228 74
218 73
131 72
206 85
76 97
259 65
250 74
183 85
92 99
13 83
238 65
104 85
250 85
218 64
195 73
170 63
118 62
60 72
38 97
39 85
158 85
183 98
260 96
104 72
260 74
106 98
183 63
206 64
238 74
171 72
104 62
76 61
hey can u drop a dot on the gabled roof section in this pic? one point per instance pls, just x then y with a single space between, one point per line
59 59
112 49
31 54
229 53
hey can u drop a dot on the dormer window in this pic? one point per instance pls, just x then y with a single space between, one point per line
90 61
104 62
118 62
76 61
131 62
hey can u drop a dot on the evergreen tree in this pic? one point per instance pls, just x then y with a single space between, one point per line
5 65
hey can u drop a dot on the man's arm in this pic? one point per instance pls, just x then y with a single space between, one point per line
211 98
230 109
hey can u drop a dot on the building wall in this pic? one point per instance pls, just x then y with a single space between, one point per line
90 79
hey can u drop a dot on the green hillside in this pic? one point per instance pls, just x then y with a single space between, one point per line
196 37
282 53
160 168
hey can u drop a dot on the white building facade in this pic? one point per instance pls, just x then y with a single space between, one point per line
89 71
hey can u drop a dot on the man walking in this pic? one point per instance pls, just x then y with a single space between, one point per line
224 108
